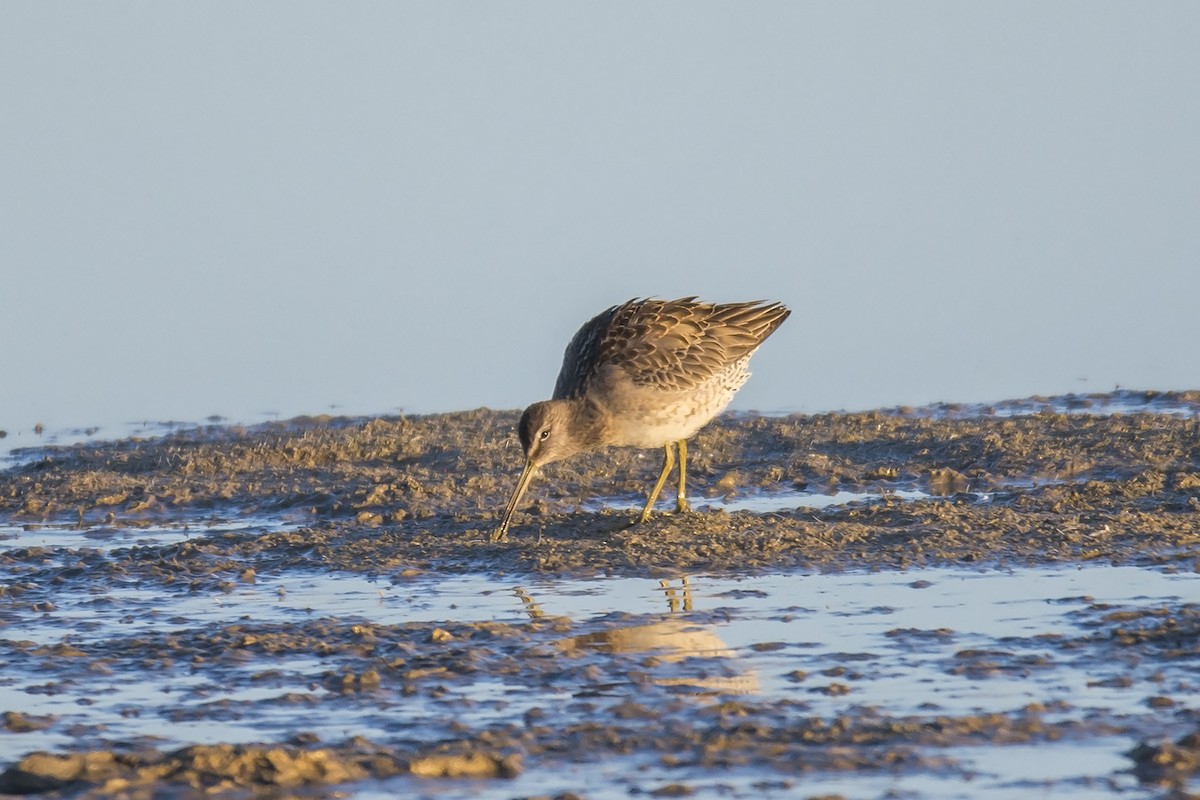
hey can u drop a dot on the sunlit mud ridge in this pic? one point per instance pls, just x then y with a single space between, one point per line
425 491
1007 595
725 738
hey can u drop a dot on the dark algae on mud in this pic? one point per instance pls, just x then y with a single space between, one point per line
1073 481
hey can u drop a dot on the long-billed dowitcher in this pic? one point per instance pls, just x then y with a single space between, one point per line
648 373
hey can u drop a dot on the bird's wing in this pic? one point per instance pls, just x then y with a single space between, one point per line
671 345
582 355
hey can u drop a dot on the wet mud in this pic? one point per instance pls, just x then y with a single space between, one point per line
155 561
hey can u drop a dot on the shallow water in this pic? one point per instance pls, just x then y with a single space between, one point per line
1117 402
766 502
22 446
1048 772
65 539
900 643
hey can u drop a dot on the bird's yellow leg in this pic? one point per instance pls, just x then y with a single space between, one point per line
662 478
681 503
532 608
673 601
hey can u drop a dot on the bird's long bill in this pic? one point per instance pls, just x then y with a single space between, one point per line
522 484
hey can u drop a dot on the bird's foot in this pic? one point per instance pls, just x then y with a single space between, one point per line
682 506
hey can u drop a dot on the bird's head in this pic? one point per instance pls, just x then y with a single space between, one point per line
546 432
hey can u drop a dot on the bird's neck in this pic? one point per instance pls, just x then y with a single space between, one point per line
587 423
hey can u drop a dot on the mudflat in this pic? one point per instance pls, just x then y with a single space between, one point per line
315 605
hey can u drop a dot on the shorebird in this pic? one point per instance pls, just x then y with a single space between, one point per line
648 373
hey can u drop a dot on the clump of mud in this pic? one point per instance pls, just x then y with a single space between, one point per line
213 768
1168 763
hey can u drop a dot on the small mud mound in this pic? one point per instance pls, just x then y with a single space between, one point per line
216 768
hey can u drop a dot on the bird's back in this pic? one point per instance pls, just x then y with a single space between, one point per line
666 345
659 370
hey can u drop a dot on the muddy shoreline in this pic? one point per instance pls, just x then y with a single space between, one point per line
1110 479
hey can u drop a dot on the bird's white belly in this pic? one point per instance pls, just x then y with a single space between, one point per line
653 418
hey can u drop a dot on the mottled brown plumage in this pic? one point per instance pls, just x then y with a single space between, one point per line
647 373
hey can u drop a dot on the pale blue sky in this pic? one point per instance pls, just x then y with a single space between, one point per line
233 208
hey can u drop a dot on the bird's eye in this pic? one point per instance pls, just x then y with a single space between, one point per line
544 435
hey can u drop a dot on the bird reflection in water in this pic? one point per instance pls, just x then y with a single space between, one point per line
673 639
